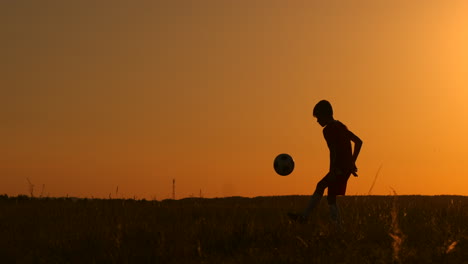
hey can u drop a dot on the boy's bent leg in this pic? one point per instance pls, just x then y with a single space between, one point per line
313 202
317 196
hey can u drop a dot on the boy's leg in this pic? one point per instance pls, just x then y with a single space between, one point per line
317 196
334 210
313 202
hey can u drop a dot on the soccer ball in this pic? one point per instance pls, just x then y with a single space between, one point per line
283 164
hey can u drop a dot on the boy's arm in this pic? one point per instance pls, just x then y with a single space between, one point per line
334 170
357 148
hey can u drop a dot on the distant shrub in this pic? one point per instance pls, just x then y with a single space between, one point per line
22 197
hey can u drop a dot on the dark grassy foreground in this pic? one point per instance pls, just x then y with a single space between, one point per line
377 229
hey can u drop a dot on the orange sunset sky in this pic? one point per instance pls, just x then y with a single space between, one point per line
100 94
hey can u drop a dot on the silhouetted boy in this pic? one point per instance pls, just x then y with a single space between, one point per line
342 161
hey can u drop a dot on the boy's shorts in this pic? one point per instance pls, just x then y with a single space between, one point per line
338 187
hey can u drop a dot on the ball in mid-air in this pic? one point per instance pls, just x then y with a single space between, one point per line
283 164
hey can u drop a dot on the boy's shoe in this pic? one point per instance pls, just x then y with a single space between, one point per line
299 218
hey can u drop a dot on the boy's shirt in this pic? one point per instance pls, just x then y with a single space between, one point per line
337 134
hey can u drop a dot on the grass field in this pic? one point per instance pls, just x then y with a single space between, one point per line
377 229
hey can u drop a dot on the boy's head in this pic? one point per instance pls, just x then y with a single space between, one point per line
323 111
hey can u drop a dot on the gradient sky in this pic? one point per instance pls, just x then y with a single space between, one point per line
100 94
